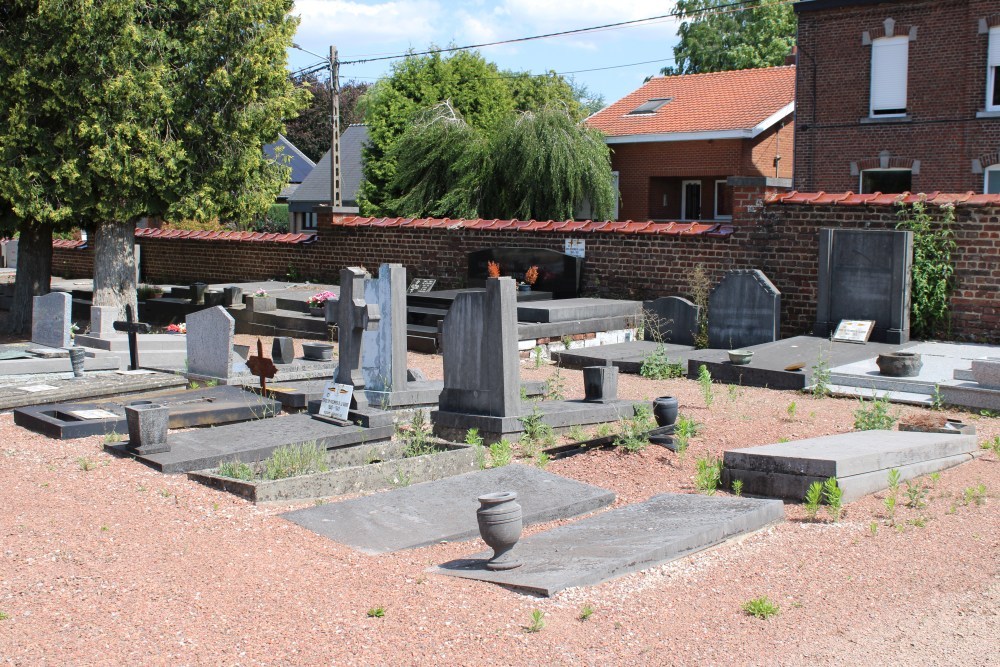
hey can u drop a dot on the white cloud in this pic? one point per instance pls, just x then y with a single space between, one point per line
366 27
567 14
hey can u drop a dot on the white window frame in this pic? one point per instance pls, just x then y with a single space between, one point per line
995 169
861 178
715 196
992 67
684 185
615 180
876 45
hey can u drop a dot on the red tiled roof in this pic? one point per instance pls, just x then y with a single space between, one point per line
880 199
738 100
224 236
566 226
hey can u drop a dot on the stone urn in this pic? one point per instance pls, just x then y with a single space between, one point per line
317 351
899 364
499 517
147 427
665 410
77 357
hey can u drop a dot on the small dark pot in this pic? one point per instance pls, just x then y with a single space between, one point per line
899 364
214 298
317 311
524 287
77 356
665 410
500 524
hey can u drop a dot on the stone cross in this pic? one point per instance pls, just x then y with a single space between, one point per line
131 327
262 367
354 317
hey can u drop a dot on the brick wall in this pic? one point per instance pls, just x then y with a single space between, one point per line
780 239
946 87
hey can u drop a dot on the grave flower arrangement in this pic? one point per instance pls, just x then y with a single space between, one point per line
178 328
493 269
320 299
260 292
531 275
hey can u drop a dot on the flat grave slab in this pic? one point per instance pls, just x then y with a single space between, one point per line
628 539
188 408
64 387
251 441
860 461
628 357
300 369
445 510
565 310
34 359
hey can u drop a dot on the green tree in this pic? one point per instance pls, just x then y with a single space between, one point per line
310 131
477 91
717 39
120 109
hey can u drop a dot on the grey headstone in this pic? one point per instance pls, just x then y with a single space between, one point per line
51 319
210 342
743 309
282 350
986 372
865 275
479 344
102 319
354 317
232 296
384 349
10 254
196 292
600 383
147 427
673 319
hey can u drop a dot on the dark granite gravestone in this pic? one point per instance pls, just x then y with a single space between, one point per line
671 319
865 275
743 309
283 350
558 272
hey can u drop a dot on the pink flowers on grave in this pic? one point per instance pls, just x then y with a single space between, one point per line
181 328
318 300
260 292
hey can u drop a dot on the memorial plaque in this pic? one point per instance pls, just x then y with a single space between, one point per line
93 414
558 272
336 401
419 285
576 248
853 331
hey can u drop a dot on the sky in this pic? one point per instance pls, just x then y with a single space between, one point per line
367 28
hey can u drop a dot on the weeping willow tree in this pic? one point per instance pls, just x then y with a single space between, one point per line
535 165
437 166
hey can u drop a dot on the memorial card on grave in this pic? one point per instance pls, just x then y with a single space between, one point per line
865 275
51 319
853 331
744 309
336 403
421 285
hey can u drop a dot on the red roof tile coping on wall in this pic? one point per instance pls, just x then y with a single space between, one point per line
880 199
563 226
68 243
200 235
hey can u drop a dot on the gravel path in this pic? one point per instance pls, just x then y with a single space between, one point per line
103 561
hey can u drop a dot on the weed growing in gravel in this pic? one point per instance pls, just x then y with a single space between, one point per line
586 612
919 522
821 378
193 385
236 470
376 612
86 465
165 493
873 528
935 478
501 453
577 434
937 400
760 608
974 494
4 616
294 460
555 386
874 415
113 438
537 621
992 446
538 356
814 498
542 459
737 487
603 430
834 497
734 391
657 366
416 436
632 433
708 474
916 494
536 432
705 383
893 495
473 438
567 342
684 429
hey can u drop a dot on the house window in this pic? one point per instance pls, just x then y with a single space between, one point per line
723 200
890 66
992 185
993 72
690 200
886 181
649 107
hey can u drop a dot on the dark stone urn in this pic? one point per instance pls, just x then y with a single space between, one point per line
77 358
500 525
899 364
665 410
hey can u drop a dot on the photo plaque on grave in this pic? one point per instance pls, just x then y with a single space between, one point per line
336 401
853 331
421 285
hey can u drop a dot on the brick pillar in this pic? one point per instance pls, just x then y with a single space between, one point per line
751 192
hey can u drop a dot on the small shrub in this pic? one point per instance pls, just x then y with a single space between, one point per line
113 438
874 415
916 494
536 432
974 494
791 410
760 608
236 470
737 487
501 453
577 434
992 446
814 498
294 460
537 621
834 497
586 612
473 438
656 366
708 474
555 386
376 612
86 465
632 433
705 382
821 378
416 436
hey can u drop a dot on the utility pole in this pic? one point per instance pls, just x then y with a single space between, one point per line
336 201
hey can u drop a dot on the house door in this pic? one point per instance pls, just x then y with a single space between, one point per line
691 200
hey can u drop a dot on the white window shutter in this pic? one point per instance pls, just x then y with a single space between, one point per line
890 63
994 56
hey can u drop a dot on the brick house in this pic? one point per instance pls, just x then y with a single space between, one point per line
896 95
676 140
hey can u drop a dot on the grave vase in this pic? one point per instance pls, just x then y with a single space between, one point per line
77 356
665 410
500 523
317 311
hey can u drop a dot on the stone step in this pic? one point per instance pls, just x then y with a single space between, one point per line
901 397
883 383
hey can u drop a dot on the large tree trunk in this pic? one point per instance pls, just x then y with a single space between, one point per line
34 274
114 266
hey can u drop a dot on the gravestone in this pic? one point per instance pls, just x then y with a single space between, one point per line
282 350
354 317
384 349
102 321
51 319
865 275
10 254
210 342
558 272
673 320
600 383
479 344
744 309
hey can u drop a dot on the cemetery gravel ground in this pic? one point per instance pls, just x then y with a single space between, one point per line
104 561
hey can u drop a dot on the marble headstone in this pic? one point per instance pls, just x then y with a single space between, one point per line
51 319
102 319
673 320
210 342
743 309
355 316
384 350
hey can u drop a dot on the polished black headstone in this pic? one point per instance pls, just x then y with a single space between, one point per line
558 272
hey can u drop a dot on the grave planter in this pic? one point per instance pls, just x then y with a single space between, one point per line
665 410
899 364
232 296
524 287
147 427
500 524
77 357
317 311
214 298
317 351
261 304
197 293
740 357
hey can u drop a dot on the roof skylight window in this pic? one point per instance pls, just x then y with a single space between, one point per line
649 108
